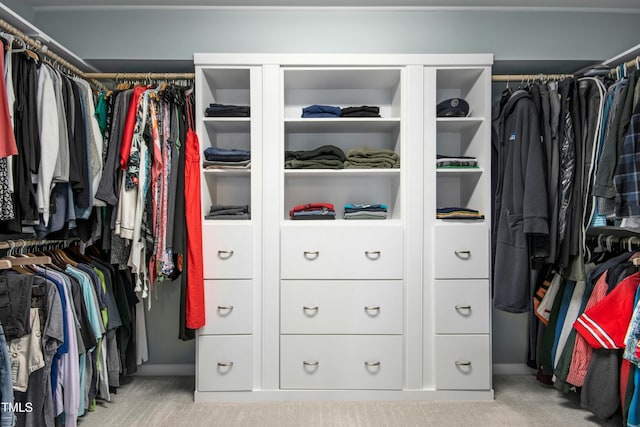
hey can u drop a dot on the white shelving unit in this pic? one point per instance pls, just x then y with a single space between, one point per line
461 248
346 309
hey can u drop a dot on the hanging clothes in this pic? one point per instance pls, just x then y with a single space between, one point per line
195 310
521 202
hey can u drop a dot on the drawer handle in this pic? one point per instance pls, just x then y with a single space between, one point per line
225 364
463 307
225 307
311 255
314 363
225 254
463 363
463 254
371 364
370 308
314 308
373 255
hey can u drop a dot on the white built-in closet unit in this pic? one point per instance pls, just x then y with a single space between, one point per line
372 309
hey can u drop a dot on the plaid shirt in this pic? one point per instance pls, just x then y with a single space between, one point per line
627 177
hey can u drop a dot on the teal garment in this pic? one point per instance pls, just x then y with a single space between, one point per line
90 300
101 114
562 314
633 418
95 320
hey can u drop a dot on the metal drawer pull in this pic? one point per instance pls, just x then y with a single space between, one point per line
463 307
463 254
314 308
225 364
225 254
225 307
315 363
372 254
372 364
463 363
311 255
369 308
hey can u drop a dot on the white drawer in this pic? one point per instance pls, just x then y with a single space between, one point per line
225 363
227 251
324 252
462 306
461 252
229 305
341 362
463 362
339 307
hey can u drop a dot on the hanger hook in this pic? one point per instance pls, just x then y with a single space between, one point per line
609 243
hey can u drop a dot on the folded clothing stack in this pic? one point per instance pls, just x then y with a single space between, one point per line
362 111
323 157
360 211
223 158
366 157
316 110
313 211
226 110
456 161
228 212
458 213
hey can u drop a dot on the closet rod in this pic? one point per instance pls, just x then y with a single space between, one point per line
527 77
37 45
633 63
20 243
140 76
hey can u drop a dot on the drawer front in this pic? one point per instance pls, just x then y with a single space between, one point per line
225 363
338 307
227 251
341 362
463 362
229 305
462 306
342 252
461 252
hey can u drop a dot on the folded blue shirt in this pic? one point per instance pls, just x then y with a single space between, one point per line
321 111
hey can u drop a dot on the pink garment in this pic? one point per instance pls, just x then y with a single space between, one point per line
8 145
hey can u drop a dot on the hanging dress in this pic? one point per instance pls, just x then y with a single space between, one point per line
195 313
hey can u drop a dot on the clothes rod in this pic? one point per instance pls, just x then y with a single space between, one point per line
633 63
37 45
141 76
527 77
20 243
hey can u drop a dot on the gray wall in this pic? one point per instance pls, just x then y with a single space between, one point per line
108 36
21 8
164 40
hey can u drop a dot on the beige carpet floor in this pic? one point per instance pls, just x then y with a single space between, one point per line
168 401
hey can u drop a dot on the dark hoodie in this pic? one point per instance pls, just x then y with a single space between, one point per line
521 201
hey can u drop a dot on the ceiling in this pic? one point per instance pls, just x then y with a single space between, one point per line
533 4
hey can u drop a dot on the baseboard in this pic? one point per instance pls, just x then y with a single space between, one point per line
512 369
160 370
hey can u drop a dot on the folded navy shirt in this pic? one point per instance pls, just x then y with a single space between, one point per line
321 111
